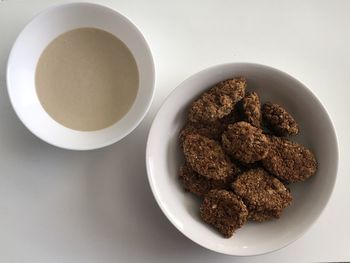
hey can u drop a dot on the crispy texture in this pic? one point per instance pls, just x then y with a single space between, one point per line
261 216
245 142
234 116
224 210
200 185
251 109
212 130
218 101
247 166
233 156
289 161
206 157
264 195
279 120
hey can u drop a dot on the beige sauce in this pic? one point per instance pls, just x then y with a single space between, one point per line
86 79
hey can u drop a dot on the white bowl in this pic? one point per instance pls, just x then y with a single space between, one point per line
27 49
163 159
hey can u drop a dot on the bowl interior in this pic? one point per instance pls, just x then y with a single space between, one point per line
182 209
33 40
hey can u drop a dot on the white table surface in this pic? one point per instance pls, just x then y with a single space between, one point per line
65 206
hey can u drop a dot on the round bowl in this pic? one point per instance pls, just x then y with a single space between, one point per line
24 57
163 159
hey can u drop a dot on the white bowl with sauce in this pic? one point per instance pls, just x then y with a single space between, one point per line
80 76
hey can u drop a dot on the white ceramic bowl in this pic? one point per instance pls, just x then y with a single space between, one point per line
163 158
27 49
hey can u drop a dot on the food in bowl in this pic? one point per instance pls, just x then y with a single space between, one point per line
218 101
238 158
206 157
289 161
279 120
264 195
86 79
245 143
99 46
224 210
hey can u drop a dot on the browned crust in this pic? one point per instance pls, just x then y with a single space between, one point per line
264 195
224 210
278 120
218 101
212 130
245 142
251 109
289 160
206 157
200 185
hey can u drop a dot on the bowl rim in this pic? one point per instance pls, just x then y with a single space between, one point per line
136 121
151 179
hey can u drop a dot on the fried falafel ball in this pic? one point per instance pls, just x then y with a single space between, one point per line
234 116
218 101
251 109
245 142
223 210
264 195
289 161
200 185
206 157
212 130
278 120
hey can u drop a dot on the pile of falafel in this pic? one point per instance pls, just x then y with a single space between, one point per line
238 156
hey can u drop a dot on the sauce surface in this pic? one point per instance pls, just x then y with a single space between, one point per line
86 79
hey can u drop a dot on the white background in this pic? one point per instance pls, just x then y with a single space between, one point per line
65 206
